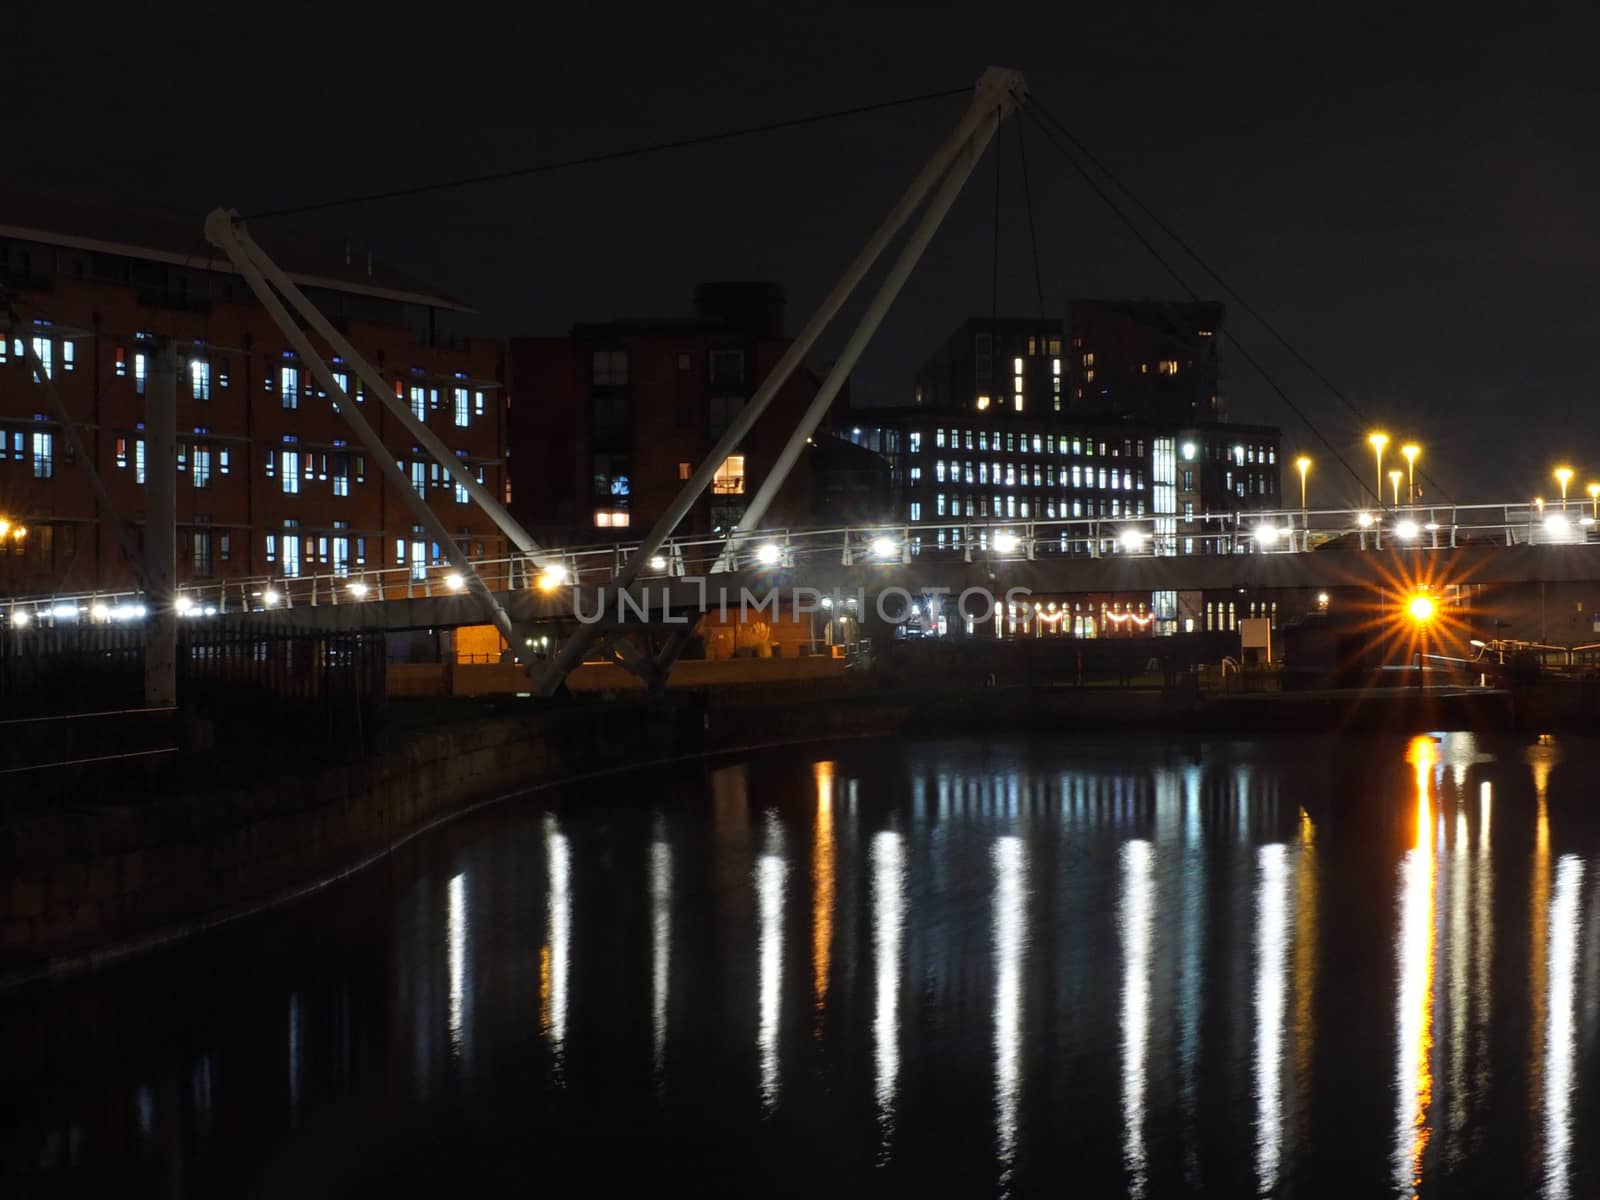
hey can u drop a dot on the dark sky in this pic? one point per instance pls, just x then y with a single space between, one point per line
1414 201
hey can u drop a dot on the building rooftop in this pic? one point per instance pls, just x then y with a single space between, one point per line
105 225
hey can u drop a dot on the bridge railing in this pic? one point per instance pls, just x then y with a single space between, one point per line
941 538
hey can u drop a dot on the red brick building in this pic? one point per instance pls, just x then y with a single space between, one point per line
271 480
609 421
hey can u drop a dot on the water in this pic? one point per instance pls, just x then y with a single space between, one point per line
1130 967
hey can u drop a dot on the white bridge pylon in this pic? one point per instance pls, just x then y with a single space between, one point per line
999 93
227 232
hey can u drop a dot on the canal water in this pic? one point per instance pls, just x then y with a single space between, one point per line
1113 967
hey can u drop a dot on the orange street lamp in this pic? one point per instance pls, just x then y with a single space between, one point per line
1411 450
1564 477
1302 464
1594 495
1394 478
1421 609
1378 441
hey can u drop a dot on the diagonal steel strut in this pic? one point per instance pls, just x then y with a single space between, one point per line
223 232
996 96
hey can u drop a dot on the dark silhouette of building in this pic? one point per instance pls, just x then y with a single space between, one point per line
613 418
1151 360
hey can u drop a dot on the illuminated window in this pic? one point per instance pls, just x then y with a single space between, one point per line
122 453
44 455
914 442
983 403
1088 359
1167 366
685 470
463 412
611 518
289 386
729 479
202 466
419 403
200 378
610 368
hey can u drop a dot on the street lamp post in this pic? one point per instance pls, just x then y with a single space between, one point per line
1421 608
1411 450
1564 477
1594 497
1303 465
1378 441
1394 480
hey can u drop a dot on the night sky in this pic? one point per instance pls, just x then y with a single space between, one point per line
1414 203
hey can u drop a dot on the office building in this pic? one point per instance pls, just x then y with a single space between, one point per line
271 481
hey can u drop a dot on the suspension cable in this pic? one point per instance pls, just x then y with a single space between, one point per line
1155 253
584 160
1033 232
1210 271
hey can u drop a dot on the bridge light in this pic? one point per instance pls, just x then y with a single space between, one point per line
357 589
1364 520
99 612
885 547
269 598
1266 535
552 577
1006 542
657 563
1556 525
1563 477
183 604
1133 540
1188 452
1406 530
1421 608
768 555
453 581
19 618
1322 599
5 527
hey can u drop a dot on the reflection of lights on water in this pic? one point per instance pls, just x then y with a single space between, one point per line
1561 1041
1272 942
1483 941
660 947
294 1056
1189 985
1010 923
1138 903
147 1111
770 872
1414 1058
555 958
822 889
456 940
888 898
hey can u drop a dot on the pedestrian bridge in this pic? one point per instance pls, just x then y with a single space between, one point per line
1268 550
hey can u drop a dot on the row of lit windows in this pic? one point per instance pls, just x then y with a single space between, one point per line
1034 475
1240 453
1050 509
32 447
1011 442
1224 615
46 350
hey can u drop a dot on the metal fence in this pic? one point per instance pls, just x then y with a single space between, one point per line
240 679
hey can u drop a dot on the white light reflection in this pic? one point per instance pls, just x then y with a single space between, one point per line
554 957
1414 1007
1010 924
889 918
1561 1046
294 1057
1483 942
456 941
660 948
1135 916
1272 944
1189 977
770 873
